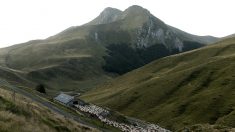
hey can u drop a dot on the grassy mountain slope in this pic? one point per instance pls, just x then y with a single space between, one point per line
194 87
71 63
191 37
24 115
77 59
229 36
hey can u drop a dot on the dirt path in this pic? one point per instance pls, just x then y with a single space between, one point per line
47 104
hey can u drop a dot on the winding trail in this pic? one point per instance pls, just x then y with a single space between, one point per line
47 104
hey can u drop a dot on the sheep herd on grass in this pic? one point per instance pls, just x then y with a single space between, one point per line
99 112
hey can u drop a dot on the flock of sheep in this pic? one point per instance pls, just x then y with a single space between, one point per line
99 112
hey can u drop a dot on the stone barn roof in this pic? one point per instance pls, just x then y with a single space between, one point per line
64 98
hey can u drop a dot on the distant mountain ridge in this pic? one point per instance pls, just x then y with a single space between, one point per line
81 57
145 15
144 29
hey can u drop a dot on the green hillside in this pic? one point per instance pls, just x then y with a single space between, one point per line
195 87
60 64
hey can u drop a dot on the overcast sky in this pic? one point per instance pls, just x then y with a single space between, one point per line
23 20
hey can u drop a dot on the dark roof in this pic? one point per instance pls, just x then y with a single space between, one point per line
64 98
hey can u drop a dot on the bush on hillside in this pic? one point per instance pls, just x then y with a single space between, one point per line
41 88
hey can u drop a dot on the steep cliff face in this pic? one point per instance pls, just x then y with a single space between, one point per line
155 31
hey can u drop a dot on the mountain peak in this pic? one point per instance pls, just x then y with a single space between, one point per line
135 9
108 15
110 10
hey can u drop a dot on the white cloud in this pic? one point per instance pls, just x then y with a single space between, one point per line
23 20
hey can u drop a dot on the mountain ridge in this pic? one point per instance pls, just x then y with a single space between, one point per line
81 56
135 20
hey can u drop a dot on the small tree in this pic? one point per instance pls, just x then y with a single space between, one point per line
41 88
